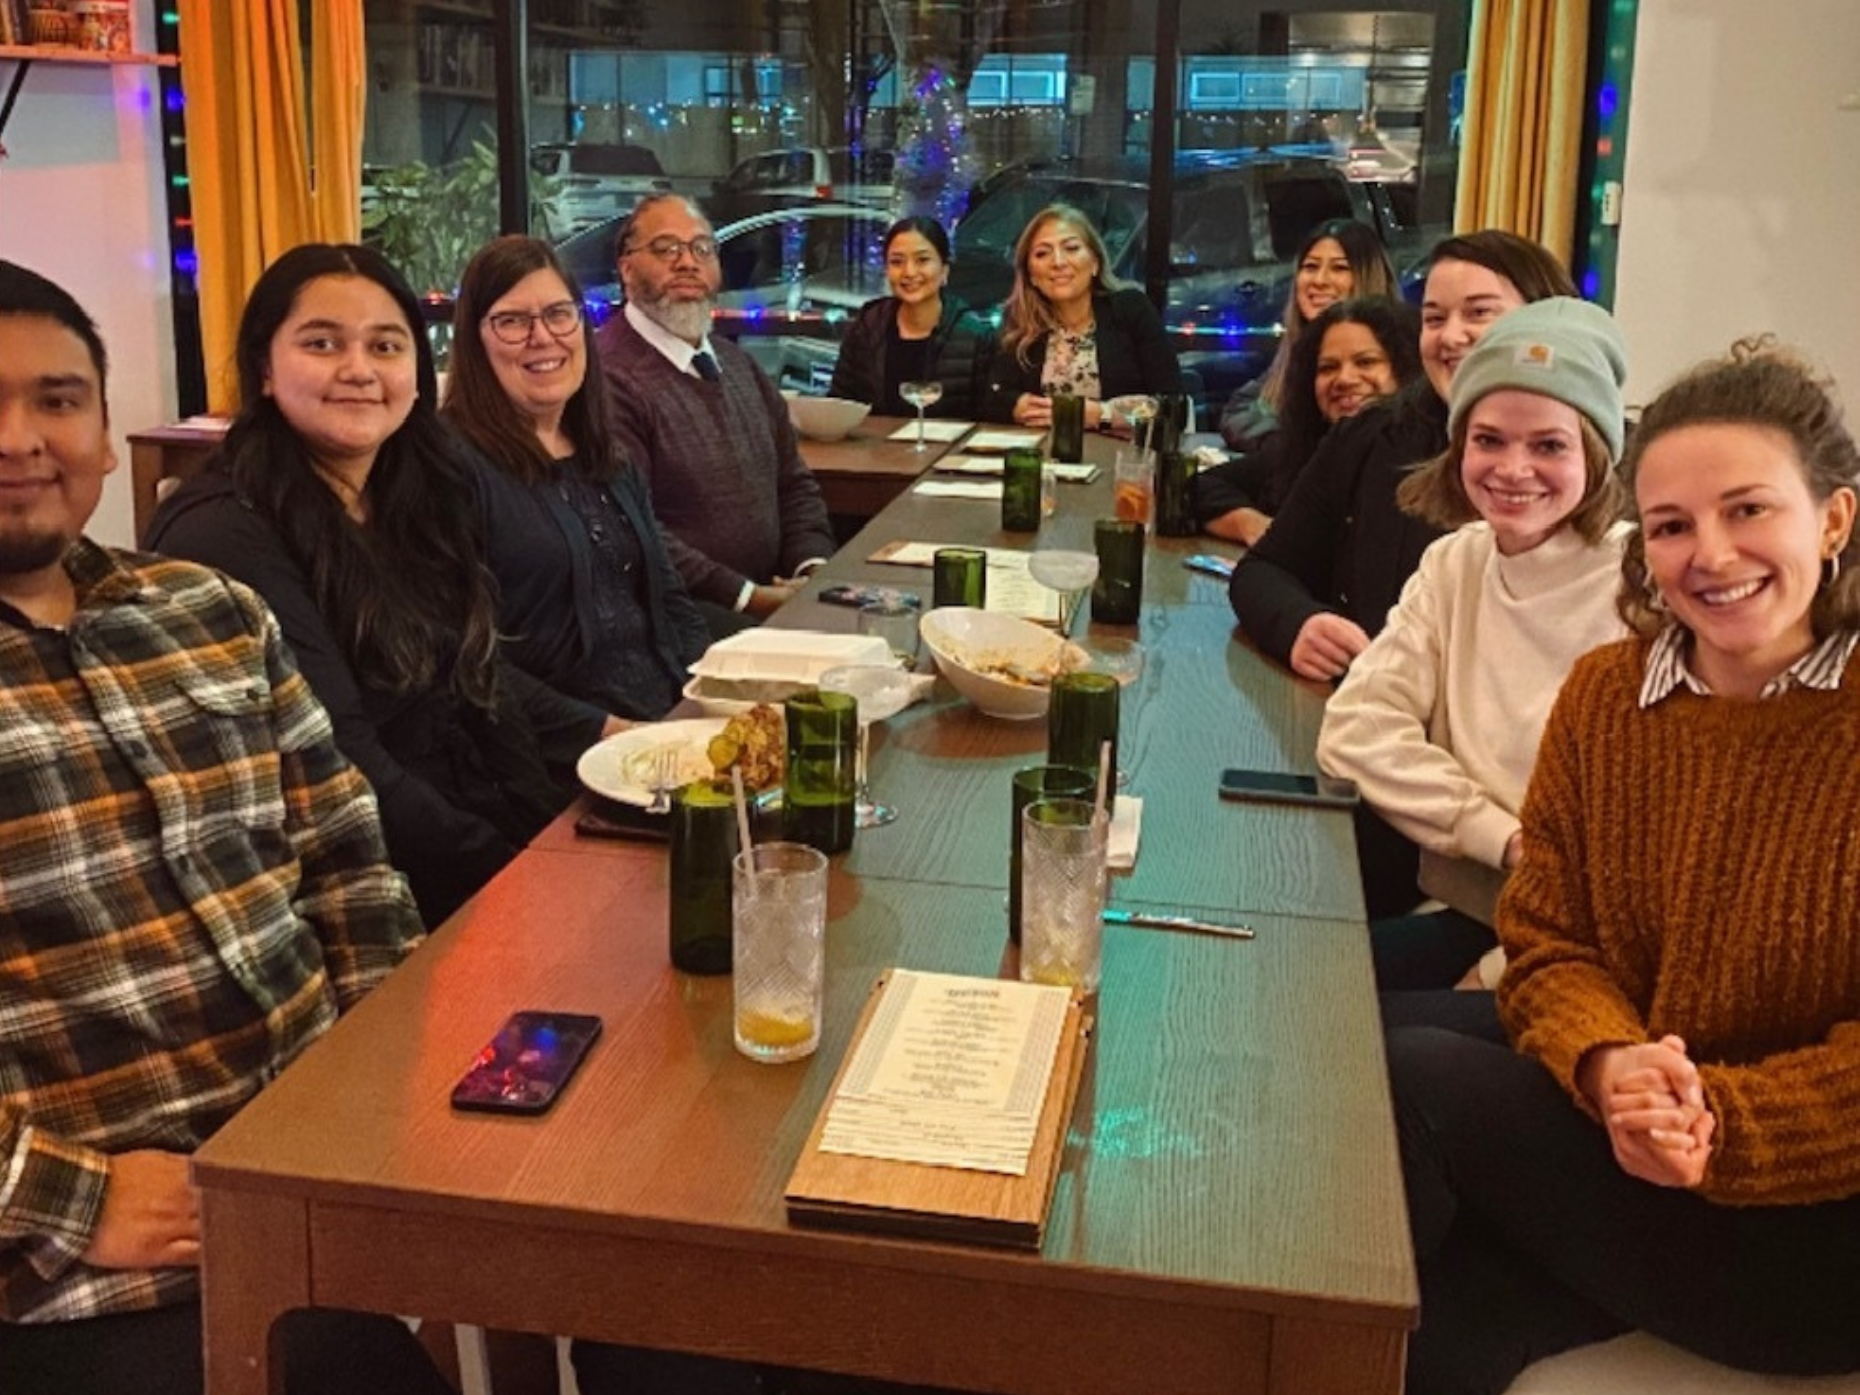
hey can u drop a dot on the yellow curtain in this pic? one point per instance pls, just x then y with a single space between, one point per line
249 149
1524 106
338 89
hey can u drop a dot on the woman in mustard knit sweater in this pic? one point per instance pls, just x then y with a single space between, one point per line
1675 1143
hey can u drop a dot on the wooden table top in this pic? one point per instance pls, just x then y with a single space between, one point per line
1230 1188
870 451
1217 1071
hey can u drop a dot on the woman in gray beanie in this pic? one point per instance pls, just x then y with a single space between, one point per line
1439 720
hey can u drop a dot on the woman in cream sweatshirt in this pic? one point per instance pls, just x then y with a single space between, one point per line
1438 721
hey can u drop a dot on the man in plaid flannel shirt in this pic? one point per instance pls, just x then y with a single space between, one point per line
192 886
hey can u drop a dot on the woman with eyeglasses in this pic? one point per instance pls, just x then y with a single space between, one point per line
588 600
1070 326
342 499
920 331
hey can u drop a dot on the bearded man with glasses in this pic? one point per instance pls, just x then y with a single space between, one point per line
743 517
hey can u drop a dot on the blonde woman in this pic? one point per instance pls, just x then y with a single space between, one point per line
1069 326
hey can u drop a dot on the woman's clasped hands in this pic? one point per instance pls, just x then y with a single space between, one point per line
1653 1106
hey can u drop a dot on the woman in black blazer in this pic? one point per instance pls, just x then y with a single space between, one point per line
1070 326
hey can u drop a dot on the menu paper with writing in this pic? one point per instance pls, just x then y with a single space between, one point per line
1004 440
953 1072
1011 587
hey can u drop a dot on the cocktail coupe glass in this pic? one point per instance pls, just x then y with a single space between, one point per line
881 692
921 395
1138 410
1069 573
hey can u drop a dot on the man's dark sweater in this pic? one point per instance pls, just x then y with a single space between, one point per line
727 480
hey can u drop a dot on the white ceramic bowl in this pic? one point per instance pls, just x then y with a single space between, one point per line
973 648
825 418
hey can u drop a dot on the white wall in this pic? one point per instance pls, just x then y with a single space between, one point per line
1741 205
82 201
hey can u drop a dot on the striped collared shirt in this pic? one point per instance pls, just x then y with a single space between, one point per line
1667 669
192 885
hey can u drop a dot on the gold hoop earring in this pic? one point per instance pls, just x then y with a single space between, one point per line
1830 571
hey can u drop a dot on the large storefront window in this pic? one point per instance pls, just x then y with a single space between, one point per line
804 128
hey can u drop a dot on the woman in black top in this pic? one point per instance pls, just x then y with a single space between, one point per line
342 500
918 333
1069 326
1354 353
588 600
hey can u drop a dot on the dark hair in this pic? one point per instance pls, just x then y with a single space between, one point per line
928 229
1536 273
1765 385
406 594
24 292
1302 424
1433 490
1371 276
476 402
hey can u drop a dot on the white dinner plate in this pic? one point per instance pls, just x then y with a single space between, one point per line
620 768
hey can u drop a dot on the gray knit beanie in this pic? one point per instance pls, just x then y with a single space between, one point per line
1562 348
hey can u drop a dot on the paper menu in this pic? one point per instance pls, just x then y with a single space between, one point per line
952 1072
933 431
1011 587
1004 440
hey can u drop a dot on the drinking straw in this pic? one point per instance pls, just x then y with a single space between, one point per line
1104 774
742 822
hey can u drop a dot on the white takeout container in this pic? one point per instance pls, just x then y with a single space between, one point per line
764 665
961 636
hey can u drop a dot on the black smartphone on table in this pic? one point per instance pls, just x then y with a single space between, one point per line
1276 787
524 1067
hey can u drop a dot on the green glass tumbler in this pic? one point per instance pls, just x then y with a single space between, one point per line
1175 483
1117 594
959 576
1037 782
823 756
1081 715
1068 428
1020 490
703 842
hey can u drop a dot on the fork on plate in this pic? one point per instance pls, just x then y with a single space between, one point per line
664 777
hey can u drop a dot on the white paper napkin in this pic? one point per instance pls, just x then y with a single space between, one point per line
1120 850
959 489
933 431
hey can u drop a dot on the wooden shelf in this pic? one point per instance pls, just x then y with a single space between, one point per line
49 53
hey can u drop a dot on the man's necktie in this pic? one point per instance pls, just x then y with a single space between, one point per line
706 366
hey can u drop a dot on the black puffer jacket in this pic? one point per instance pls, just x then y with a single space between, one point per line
957 358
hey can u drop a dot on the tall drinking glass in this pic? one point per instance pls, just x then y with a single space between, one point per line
1081 715
1063 844
817 791
1032 784
703 844
959 576
779 900
1117 595
881 692
893 617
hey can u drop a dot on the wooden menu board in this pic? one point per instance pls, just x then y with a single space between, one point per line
844 1192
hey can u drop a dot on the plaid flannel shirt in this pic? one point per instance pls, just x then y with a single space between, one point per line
192 885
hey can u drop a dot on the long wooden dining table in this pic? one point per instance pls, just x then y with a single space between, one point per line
1229 1214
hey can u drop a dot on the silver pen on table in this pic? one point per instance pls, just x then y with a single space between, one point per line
1115 916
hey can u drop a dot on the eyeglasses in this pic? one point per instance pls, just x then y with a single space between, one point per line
668 248
513 326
